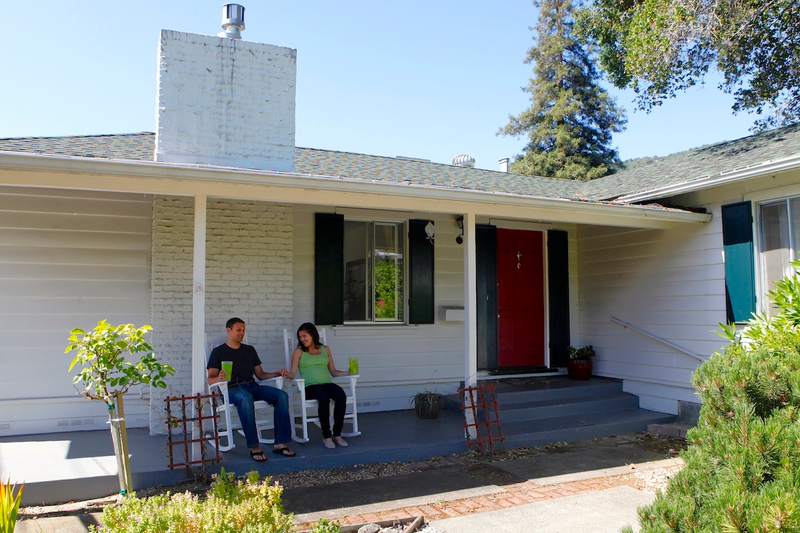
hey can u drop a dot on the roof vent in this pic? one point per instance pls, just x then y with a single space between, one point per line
504 164
464 160
232 21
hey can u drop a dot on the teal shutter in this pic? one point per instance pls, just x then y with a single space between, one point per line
328 269
420 273
740 278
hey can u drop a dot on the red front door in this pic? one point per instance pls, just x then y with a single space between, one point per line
520 298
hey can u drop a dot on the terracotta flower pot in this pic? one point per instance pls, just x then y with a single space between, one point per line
579 369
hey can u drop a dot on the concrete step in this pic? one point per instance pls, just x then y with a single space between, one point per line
582 427
537 410
571 391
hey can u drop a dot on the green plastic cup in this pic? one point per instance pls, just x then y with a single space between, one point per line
352 366
227 367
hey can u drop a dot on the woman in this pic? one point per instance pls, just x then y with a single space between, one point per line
314 361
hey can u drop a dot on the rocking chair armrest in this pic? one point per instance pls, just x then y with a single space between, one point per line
223 389
300 383
278 380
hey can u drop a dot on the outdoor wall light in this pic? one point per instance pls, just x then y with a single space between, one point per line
460 224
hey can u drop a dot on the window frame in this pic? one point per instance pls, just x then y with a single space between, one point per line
762 287
402 225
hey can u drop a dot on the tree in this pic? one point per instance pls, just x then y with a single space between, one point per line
742 468
106 375
571 117
661 47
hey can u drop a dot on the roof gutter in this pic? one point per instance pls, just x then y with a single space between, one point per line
25 161
757 171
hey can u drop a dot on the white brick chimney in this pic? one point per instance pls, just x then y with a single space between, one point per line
225 102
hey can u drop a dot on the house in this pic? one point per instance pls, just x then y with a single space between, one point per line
431 274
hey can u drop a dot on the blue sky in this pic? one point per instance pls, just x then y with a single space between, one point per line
413 78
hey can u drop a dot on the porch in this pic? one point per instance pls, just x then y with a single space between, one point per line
80 464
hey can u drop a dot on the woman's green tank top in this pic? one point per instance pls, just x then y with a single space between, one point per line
314 368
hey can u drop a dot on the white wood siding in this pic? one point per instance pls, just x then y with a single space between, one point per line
67 259
668 282
399 360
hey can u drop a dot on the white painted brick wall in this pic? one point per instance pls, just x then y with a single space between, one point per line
249 274
225 102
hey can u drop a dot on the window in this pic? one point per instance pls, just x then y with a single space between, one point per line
780 240
373 271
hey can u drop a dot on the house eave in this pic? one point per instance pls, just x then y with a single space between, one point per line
191 179
756 171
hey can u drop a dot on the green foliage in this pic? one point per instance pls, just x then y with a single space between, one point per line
580 354
571 117
326 526
104 369
10 500
742 468
388 284
661 47
251 505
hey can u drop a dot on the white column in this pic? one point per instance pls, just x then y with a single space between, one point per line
199 308
470 312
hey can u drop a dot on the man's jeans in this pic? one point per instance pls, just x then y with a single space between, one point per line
243 396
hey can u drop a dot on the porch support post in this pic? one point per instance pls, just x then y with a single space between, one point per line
198 309
470 314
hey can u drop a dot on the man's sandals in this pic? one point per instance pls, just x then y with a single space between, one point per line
258 456
284 451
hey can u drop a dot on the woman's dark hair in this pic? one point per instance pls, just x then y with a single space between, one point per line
311 329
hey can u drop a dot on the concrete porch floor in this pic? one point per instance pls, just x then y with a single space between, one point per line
58 467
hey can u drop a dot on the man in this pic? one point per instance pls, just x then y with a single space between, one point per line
243 390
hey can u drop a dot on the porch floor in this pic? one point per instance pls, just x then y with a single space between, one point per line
58 467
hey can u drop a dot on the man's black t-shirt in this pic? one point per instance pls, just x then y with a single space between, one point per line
245 360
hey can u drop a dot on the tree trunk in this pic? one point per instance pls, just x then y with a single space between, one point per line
113 423
124 449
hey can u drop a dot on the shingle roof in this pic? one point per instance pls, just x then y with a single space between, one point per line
689 165
673 169
140 146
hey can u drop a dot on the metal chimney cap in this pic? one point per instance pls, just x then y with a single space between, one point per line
232 21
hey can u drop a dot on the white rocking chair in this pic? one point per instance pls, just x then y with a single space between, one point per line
227 411
299 390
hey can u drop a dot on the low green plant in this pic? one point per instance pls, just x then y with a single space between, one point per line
580 354
742 468
10 500
251 505
326 526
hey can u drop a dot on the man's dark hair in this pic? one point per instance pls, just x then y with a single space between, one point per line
233 321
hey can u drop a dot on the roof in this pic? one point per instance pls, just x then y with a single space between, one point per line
697 163
640 176
140 146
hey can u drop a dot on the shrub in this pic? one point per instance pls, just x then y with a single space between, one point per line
251 505
10 500
742 468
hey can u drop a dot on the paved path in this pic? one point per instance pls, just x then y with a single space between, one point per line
599 512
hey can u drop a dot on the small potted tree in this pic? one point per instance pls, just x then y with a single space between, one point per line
579 365
112 359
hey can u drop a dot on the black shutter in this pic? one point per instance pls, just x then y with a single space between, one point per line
486 278
420 273
740 278
328 269
558 295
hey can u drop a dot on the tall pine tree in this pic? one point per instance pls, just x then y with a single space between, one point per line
571 117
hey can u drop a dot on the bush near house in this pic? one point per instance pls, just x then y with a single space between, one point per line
742 468
252 505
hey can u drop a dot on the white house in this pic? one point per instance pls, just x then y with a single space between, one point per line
430 274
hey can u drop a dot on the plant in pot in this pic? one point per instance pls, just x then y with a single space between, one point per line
579 365
426 404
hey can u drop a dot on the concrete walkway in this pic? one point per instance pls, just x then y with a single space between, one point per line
599 512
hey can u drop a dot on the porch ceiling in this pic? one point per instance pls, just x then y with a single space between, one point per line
146 177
